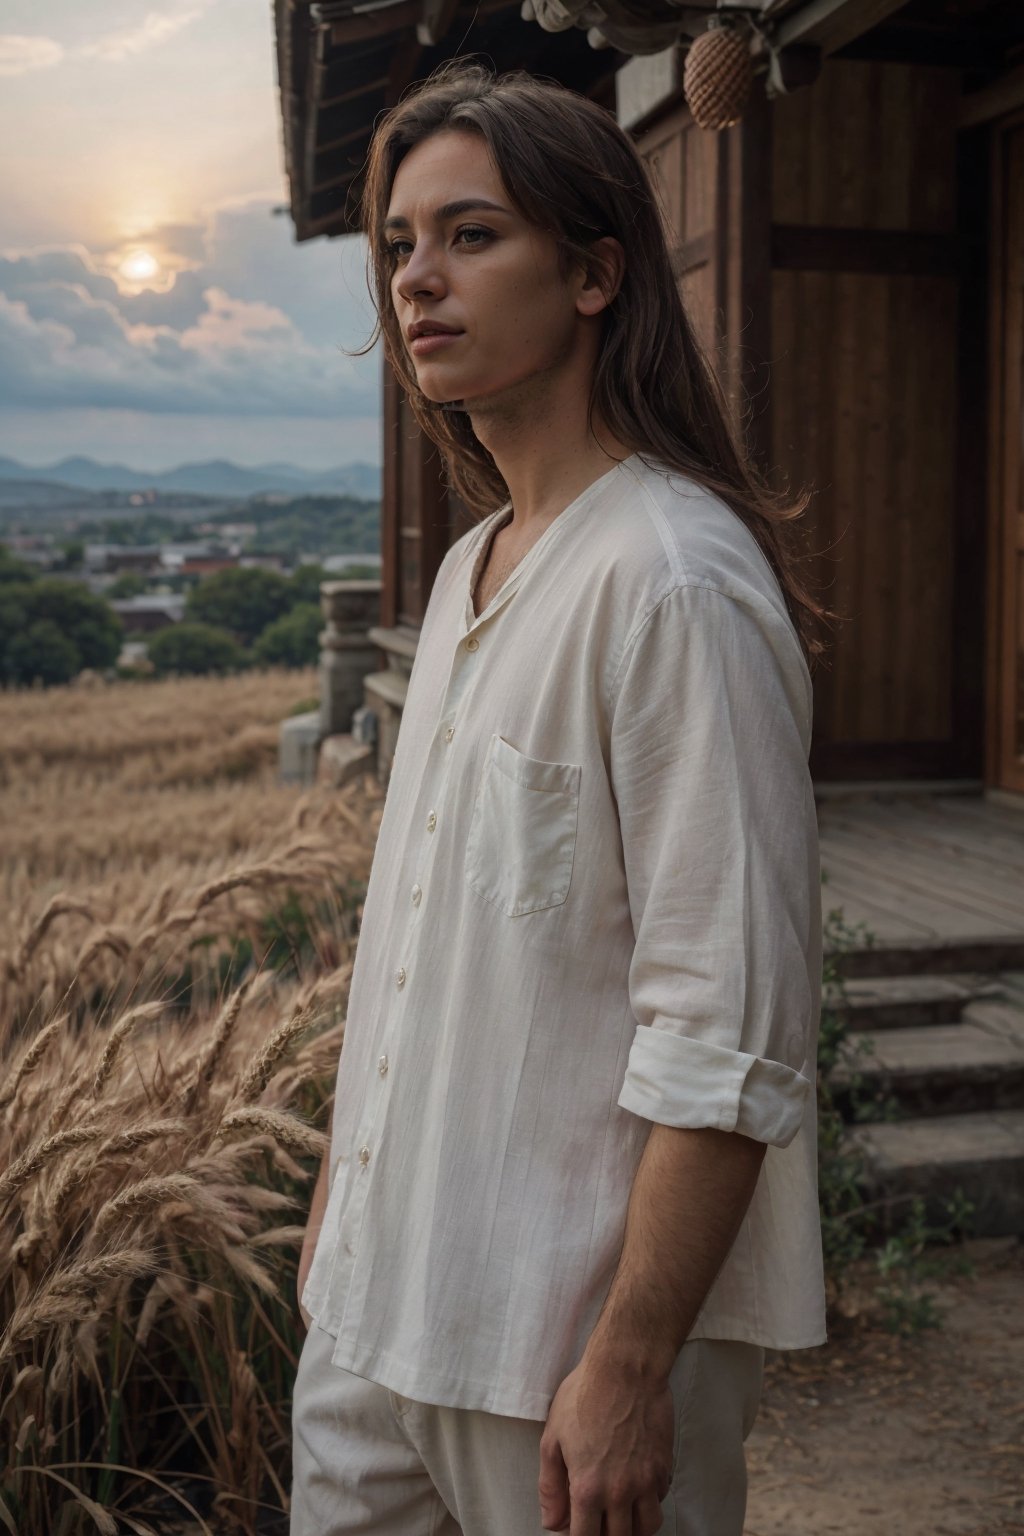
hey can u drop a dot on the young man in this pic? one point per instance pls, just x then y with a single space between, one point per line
571 1191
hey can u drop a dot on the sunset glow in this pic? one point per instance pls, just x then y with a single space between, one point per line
153 311
139 266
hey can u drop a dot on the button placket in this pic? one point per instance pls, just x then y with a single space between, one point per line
351 1280
369 1140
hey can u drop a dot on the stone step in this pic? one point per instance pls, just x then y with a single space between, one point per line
937 1069
897 1002
932 957
342 759
981 1154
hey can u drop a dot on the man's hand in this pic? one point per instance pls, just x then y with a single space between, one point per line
606 1450
606 1453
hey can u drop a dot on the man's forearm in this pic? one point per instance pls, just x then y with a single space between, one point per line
690 1194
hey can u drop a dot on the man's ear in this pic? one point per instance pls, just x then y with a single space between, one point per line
606 268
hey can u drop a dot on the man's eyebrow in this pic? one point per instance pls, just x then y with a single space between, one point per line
449 211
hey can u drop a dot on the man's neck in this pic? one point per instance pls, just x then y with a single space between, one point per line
545 453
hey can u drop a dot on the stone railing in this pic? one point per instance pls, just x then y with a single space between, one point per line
347 655
347 652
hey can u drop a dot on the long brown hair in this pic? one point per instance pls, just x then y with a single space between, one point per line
573 172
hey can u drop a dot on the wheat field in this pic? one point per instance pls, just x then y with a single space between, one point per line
174 960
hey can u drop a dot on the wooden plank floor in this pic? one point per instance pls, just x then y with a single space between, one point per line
920 867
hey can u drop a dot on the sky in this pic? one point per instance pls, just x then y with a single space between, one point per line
154 308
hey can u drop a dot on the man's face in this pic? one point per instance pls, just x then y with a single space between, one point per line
466 259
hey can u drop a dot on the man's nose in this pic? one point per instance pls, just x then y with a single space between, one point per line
422 275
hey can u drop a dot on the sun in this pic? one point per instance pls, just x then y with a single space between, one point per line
139 266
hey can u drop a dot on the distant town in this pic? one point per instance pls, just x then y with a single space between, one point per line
143 551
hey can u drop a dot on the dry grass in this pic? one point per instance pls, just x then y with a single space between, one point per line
173 977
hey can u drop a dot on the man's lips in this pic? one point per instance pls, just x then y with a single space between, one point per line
433 341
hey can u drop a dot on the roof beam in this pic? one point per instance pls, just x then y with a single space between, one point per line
831 24
364 24
364 88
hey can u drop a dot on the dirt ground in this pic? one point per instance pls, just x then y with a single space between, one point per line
873 1435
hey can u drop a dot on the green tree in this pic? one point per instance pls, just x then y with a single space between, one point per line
243 600
13 622
12 569
292 640
73 555
305 583
194 649
42 652
88 621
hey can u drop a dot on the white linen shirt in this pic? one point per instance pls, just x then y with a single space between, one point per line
594 904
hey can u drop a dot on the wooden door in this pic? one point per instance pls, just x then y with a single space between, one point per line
876 409
1006 737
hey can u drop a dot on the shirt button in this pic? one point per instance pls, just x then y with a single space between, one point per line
416 894
364 1155
400 976
472 644
431 822
382 1066
449 733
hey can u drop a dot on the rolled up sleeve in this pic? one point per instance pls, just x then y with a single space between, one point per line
708 753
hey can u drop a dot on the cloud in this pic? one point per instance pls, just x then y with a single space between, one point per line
155 28
320 285
69 338
185 242
20 55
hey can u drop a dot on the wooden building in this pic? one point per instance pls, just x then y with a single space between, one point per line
853 254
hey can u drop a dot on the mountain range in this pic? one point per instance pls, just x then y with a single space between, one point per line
215 477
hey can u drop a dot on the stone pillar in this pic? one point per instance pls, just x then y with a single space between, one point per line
385 691
347 654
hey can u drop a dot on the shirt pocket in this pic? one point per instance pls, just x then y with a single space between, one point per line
522 834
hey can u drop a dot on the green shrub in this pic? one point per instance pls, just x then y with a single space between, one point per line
41 653
243 601
292 640
901 1239
49 626
193 650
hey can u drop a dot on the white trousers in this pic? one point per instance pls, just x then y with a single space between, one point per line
369 1460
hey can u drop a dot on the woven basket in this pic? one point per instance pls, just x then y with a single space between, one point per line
717 76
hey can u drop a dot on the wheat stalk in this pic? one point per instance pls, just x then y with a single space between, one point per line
30 1162
161 1189
283 1038
115 939
32 1057
135 1137
58 906
118 1035
287 1129
60 1303
223 1029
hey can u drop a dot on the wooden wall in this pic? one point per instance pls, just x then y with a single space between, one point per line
419 517
714 190
830 258
872 367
